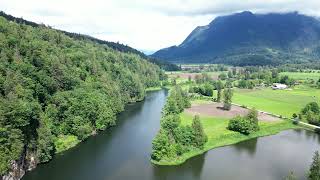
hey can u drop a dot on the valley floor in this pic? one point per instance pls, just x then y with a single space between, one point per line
279 102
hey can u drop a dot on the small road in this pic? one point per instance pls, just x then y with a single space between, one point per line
279 116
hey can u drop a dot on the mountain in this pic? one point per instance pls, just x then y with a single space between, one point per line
250 39
57 89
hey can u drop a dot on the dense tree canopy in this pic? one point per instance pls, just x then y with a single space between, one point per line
54 87
174 139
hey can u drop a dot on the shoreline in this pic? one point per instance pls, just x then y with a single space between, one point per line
229 139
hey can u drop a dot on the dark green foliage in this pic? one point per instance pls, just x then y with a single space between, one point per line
246 84
240 124
245 125
314 172
161 146
114 45
227 98
313 107
311 113
294 115
200 138
170 122
176 102
205 89
286 80
52 85
45 141
174 139
184 135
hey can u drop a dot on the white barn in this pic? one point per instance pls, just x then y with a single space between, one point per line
279 86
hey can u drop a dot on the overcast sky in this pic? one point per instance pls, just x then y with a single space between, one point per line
147 25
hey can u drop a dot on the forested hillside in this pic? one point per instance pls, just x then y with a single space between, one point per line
56 91
114 45
250 39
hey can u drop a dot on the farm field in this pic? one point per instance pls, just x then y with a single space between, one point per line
215 110
184 75
302 75
280 102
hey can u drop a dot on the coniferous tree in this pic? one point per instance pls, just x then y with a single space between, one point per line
200 138
219 87
227 95
314 173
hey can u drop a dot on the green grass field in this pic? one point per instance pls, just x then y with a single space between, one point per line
280 102
302 76
218 135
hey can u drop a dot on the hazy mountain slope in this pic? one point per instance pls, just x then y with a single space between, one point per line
247 38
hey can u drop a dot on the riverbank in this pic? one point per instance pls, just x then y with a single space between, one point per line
219 135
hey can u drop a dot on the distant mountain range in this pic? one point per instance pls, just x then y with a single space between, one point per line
250 39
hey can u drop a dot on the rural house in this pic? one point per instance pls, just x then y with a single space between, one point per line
279 86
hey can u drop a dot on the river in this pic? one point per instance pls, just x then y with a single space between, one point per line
122 152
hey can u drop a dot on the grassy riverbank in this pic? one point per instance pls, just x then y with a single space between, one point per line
218 135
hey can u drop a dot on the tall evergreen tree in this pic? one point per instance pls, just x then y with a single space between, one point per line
200 138
227 95
314 173
219 87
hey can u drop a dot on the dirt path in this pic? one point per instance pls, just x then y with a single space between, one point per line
214 109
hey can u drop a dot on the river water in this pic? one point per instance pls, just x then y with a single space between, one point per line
123 152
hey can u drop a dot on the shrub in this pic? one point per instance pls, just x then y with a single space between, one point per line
240 124
313 118
313 106
245 125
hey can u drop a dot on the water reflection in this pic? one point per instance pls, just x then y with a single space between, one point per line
190 170
248 147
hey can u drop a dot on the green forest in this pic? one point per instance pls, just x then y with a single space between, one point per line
56 91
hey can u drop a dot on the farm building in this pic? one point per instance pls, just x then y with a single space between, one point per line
279 86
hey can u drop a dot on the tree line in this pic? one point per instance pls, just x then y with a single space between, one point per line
174 139
114 45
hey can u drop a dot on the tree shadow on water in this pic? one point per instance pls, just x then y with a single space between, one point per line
191 169
250 147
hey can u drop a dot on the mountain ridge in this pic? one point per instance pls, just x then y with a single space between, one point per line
238 38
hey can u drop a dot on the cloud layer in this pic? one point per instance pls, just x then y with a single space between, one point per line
143 24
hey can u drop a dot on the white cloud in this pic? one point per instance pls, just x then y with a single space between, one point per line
143 24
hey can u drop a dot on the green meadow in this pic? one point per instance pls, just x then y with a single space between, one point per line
302 75
280 102
219 135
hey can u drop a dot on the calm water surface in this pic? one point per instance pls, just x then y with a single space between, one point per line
123 152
